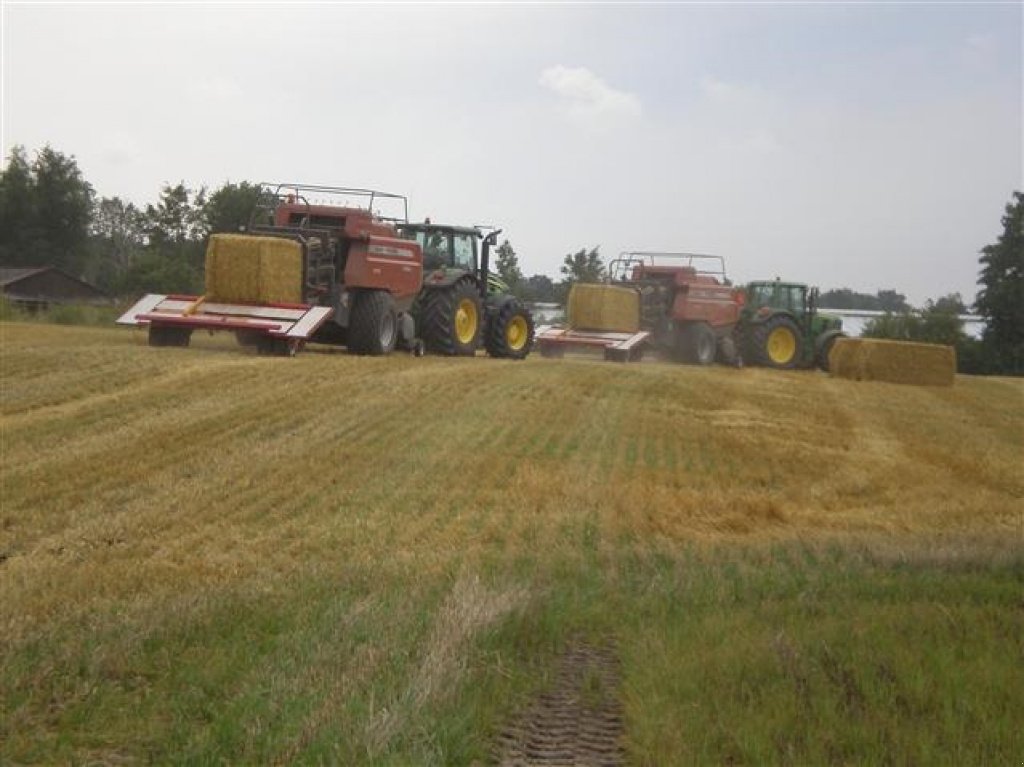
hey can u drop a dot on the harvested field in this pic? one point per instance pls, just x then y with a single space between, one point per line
213 556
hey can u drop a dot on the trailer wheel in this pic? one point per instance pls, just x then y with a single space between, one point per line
452 319
776 343
510 331
162 335
373 324
697 341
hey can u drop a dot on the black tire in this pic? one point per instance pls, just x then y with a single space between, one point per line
510 331
162 335
697 343
373 323
776 343
824 350
728 352
453 319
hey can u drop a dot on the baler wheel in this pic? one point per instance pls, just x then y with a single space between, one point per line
776 343
451 319
373 324
510 331
698 343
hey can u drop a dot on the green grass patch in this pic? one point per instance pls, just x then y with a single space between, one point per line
796 654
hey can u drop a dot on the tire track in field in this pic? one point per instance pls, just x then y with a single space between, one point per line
579 721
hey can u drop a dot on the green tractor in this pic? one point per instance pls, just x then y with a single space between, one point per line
780 326
462 306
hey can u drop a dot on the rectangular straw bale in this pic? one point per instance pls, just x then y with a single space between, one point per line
253 269
908 363
844 358
603 307
904 362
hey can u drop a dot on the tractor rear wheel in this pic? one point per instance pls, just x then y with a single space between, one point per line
510 331
373 323
452 319
697 343
776 343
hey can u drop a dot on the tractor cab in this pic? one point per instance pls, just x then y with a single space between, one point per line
445 247
768 297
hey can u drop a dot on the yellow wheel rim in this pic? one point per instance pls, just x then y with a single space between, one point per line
781 346
516 333
466 321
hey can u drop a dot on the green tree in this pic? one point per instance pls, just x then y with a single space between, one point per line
17 211
891 301
844 298
507 265
118 238
1001 298
539 288
230 207
583 266
45 211
176 230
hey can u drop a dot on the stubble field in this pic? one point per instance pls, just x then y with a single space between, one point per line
206 555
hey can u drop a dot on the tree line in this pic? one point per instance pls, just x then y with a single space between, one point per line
50 215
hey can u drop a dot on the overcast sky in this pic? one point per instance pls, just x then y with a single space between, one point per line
866 146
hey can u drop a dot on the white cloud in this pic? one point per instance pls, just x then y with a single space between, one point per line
587 95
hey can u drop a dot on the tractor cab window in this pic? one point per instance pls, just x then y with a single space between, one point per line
797 298
465 251
436 247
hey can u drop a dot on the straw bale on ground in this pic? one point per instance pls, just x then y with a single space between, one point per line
875 359
253 269
603 307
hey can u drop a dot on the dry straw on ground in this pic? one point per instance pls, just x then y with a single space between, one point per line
872 359
603 307
253 269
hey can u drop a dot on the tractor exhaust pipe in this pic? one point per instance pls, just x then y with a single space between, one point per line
485 260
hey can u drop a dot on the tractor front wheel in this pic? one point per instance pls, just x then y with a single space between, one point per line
373 323
510 331
452 319
824 350
776 343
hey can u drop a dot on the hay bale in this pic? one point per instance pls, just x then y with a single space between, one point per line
844 358
253 269
903 362
603 307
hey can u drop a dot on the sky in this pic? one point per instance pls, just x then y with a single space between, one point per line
868 146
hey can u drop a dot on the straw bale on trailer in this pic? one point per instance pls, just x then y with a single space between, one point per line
875 359
603 307
248 269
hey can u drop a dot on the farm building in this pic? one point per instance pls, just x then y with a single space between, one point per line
40 286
